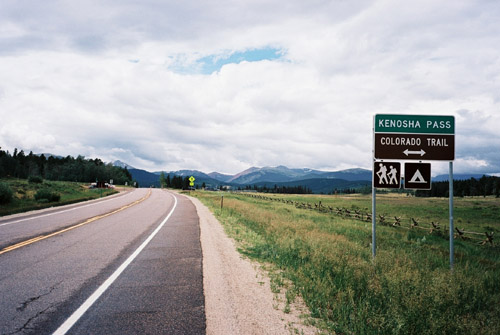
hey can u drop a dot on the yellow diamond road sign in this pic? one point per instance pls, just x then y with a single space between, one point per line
191 179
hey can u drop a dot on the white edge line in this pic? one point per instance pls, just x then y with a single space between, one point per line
70 322
63 211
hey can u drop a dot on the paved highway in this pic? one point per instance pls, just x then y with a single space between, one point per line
130 264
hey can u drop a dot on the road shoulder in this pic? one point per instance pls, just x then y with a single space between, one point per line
238 296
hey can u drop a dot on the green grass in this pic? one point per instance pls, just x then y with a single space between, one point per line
24 194
407 289
478 214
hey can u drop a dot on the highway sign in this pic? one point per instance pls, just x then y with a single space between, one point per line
414 137
386 175
417 176
191 181
414 124
414 146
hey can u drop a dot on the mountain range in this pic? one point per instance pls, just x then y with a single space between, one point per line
316 180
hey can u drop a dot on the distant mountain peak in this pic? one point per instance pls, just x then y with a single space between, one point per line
243 173
220 176
121 164
47 155
354 170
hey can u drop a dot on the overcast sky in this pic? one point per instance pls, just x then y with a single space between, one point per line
229 84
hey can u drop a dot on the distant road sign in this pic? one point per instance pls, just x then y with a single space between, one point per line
417 176
192 179
386 175
414 137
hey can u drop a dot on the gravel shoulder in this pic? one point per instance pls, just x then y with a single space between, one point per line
238 296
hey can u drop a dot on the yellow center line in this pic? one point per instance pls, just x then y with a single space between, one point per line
95 218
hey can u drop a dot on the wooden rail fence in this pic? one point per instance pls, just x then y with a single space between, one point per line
485 238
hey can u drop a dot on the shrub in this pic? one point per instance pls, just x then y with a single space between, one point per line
5 193
35 179
44 195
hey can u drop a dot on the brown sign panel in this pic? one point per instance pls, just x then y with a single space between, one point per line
386 174
418 176
436 147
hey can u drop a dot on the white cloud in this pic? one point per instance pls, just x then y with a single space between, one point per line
102 79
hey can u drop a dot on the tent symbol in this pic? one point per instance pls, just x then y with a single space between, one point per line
417 178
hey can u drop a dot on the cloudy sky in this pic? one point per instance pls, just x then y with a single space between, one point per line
223 85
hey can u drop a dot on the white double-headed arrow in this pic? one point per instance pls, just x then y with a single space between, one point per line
407 152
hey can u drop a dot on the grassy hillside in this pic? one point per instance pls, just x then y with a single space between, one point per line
407 289
24 192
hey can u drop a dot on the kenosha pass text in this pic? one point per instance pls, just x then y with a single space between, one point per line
414 124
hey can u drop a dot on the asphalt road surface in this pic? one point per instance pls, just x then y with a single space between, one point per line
129 264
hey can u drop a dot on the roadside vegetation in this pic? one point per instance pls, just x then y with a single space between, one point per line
21 195
20 165
407 289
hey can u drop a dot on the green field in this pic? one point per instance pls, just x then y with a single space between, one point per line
407 289
24 194
477 214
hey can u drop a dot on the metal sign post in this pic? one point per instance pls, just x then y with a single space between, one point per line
452 246
374 221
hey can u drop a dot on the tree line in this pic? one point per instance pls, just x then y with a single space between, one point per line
347 190
280 189
484 186
174 181
80 169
